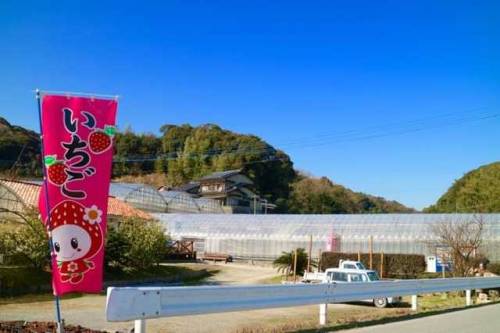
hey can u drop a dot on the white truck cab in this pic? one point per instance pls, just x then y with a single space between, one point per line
350 264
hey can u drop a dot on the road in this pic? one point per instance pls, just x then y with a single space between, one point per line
484 319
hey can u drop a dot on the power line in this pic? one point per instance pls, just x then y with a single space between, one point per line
372 132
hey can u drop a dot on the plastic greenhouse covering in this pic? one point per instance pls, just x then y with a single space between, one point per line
266 236
139 196
148 198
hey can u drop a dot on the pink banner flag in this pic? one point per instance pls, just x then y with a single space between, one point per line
77 138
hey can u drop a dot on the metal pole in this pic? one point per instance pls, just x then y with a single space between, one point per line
140 326
323 314
414 303
255 205
60 323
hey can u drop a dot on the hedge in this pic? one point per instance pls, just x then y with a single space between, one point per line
403 266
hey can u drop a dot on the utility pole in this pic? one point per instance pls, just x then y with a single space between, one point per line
309 254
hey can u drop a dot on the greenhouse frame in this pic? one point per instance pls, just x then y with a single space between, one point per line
265 237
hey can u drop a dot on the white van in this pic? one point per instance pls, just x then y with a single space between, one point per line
349 275
342 275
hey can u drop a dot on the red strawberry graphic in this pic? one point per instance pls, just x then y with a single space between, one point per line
56 170
100 140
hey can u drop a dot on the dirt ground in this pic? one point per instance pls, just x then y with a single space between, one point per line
88 310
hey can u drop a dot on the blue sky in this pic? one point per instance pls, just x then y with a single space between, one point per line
301 75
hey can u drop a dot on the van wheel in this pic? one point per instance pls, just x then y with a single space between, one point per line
380 302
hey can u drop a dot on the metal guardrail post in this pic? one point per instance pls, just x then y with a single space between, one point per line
140 326
414 302
468 298
323 314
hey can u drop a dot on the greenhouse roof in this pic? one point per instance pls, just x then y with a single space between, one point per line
141 196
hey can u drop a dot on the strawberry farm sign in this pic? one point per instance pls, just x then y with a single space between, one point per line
77 138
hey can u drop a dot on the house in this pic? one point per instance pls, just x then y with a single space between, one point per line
231 189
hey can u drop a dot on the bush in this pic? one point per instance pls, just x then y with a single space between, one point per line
395 265
26 244
135 244
16 281
493 268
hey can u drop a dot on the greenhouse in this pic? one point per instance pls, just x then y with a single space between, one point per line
140 196
266 236
151 200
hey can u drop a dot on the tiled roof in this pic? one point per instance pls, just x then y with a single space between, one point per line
26 191
187 187
120 208
221 174
29 192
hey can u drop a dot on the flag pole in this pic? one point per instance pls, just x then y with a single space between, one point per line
60 324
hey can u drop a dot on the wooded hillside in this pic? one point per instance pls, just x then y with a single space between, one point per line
478 191
182 153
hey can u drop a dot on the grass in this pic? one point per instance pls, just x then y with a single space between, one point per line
274 280
31 298
161 273
362 315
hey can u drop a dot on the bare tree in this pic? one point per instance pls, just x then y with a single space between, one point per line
463 239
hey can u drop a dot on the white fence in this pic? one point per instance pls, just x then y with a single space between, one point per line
140 303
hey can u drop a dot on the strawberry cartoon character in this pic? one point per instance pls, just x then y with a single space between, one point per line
100 140
56 170
76 237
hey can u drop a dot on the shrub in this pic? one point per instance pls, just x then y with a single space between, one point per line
395 265
493 268
135 244
26 244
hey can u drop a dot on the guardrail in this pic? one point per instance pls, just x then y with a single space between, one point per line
140 303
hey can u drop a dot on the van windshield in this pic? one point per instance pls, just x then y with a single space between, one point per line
373 276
